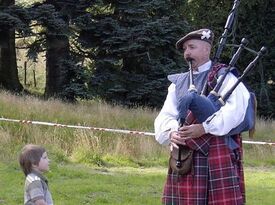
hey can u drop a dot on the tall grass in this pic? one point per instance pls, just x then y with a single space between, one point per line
79 144
99 147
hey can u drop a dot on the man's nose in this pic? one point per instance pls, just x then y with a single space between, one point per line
186 52
186 55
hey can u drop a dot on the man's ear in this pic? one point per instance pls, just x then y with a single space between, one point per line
207 48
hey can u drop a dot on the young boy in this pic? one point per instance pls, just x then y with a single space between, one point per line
34 162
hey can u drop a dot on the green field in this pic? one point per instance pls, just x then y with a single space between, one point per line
97 167
73 184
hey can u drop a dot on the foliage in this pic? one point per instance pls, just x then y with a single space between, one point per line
15 17
126 48
134 46
257 24
74 84
254 21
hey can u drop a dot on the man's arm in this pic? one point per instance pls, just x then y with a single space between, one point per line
228 117
166 121
220 123
232 113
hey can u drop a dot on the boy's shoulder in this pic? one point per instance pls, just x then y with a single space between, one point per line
35 177
36 188
35 181
31 177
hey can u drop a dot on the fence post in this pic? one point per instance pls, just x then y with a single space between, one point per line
25 72
34 78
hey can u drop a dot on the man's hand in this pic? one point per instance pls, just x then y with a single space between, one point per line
176 139
191 131
186 132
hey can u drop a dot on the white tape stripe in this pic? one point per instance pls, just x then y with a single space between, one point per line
254 142
77 127
107 129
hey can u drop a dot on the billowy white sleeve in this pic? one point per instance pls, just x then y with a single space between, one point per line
232 113
166 121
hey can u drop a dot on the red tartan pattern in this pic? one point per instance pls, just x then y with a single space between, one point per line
212 76
239 165
216 179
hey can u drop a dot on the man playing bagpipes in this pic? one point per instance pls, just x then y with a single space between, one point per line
216 172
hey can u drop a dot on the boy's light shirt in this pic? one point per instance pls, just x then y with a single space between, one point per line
34 189
227 118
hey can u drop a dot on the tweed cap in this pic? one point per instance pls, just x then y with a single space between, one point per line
202 34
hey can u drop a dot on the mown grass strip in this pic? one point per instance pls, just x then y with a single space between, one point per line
79 184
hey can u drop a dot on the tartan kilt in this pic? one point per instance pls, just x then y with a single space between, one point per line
217 177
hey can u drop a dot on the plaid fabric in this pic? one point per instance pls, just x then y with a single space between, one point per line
213 74
216 178
238 162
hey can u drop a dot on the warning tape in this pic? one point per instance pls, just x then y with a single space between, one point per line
106 129
77 126
255 142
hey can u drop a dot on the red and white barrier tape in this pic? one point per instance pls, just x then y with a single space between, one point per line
106 129
261 143
77 126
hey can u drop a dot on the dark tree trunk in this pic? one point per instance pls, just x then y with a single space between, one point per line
56 55
8 66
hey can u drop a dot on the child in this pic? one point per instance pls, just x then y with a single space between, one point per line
34 162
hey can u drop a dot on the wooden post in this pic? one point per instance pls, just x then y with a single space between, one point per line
25 72
34 78
33 71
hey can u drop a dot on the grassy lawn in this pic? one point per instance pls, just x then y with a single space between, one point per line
76 184
73 184
260 186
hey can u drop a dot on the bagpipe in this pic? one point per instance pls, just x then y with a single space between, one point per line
196 108
204 106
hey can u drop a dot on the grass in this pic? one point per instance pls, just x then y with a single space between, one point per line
90 167
76 142
72 184
95 147
260 186
93 167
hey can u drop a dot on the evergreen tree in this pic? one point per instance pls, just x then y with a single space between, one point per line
134 50
255 21
10 21
62 70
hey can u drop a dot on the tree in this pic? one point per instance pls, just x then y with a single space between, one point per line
54 35
257 24
9 21
255 21
65 79
134 43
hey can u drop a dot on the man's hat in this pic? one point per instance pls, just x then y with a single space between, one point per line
203 34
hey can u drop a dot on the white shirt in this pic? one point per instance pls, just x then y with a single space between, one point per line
228 117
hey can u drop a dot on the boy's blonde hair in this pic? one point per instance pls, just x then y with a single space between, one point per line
30 155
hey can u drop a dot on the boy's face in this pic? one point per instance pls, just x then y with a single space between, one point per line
43 165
